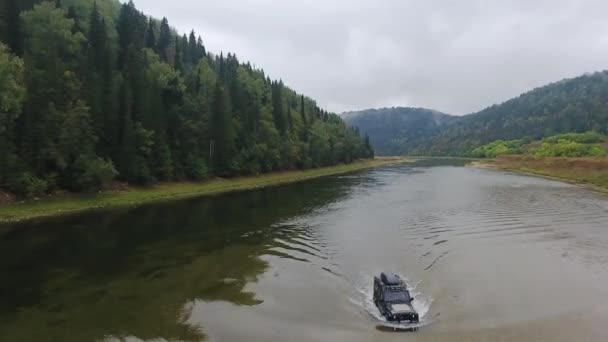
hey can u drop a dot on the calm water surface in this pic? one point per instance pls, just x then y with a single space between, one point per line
491 257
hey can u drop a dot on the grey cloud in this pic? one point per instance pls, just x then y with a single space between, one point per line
453 56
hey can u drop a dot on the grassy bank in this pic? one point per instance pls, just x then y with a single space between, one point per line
72 203
590 171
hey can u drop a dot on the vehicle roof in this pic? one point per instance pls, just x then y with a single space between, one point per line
390 279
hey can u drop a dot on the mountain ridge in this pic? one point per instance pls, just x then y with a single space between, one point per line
569 105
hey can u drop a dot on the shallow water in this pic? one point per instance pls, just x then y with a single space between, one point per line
491 256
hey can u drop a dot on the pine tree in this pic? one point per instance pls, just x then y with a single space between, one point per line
277 107
192 50
222 133
304 132
303 110
178 57
98 65
12 30
164 40
200 48
132 137
369 151
97 39
185 49
289 119
151 36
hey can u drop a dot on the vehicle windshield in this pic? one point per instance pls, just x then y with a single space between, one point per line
397 296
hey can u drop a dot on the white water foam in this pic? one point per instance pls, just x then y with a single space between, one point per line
364 299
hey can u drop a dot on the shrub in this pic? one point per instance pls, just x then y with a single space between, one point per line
569 149
136 171
162 163
93 173
196 168
581 138
571 145
27 185
497 148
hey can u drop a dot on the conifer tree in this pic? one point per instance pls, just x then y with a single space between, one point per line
223 135
164 40
12 26
151 36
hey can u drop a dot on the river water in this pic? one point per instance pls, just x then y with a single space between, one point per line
491 256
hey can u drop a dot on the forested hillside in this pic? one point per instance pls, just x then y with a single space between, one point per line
92 91
572 105
397 130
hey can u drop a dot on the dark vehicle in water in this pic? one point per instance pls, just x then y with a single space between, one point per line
393 299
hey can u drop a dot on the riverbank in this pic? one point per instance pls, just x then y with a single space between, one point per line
592 172
62 204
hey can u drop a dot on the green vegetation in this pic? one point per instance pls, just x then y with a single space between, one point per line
570 145
72 203
573 105
575 157
581 138
569 149
93 91
499 147
592 171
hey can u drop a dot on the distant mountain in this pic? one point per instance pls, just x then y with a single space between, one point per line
572 105
398 130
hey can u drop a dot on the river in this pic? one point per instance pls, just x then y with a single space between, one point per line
491 256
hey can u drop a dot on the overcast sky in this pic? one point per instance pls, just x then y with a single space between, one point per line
454 56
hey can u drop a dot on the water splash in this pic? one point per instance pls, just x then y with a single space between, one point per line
364 300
